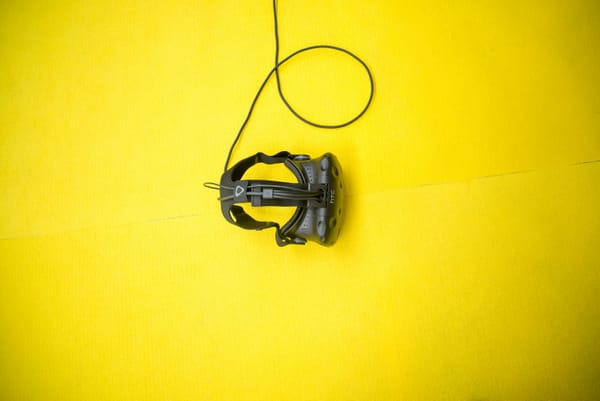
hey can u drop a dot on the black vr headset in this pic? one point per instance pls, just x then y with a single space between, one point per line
317 196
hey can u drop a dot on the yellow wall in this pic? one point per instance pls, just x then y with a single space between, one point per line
468 266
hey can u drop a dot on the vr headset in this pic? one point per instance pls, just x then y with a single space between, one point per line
317 196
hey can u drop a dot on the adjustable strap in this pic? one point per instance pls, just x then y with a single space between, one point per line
236 172
244 220
233 190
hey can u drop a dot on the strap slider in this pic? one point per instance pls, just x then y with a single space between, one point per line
267 193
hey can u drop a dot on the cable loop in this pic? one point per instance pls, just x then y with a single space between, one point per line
275 70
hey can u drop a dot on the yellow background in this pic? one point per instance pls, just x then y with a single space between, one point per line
468 265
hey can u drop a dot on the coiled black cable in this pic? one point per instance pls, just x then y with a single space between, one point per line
275 70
